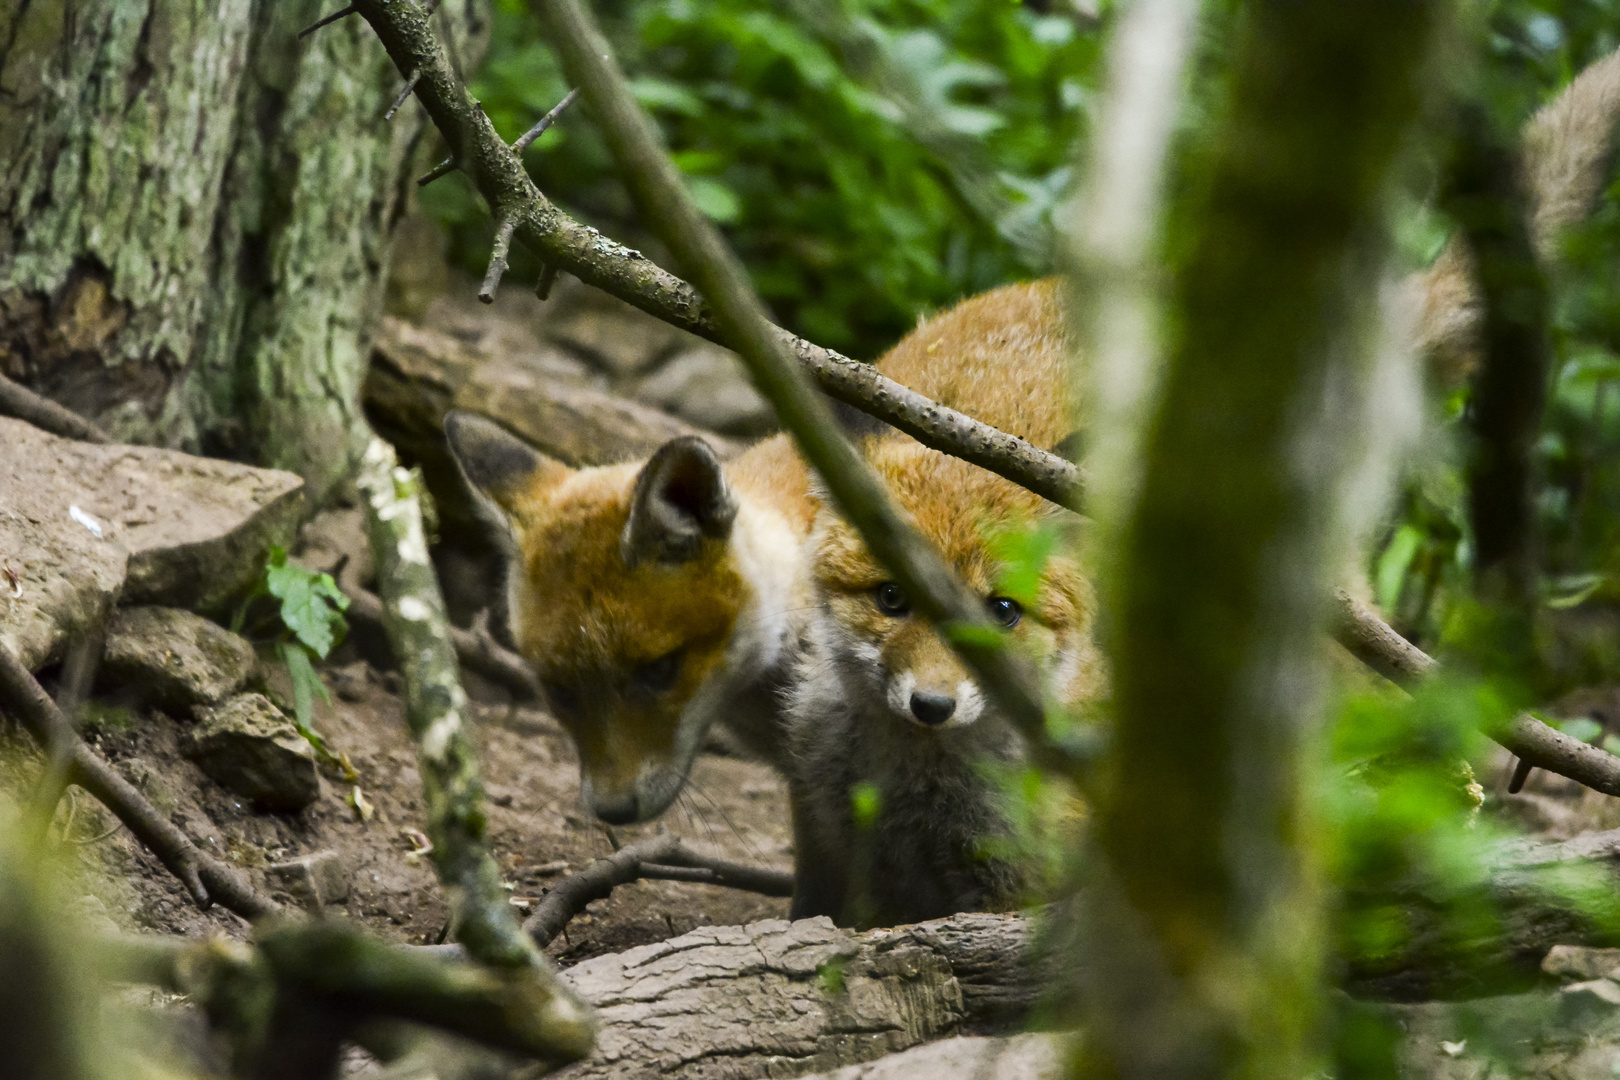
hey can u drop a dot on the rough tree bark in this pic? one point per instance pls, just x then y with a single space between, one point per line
194 213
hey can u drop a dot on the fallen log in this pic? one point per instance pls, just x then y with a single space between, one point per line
779 999
417 375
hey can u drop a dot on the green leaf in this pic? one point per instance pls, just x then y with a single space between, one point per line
312 605
307 684
865 803
1572 590
1393 564
715 199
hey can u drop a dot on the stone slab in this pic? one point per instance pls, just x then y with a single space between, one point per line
152 526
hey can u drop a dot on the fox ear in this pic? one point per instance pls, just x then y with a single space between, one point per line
680 498
499 468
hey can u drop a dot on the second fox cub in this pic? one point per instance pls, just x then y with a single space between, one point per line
882 710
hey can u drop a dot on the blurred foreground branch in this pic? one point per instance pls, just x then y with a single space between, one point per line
452 790
1202 922
292 997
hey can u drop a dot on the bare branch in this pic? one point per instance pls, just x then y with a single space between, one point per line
548 278
404 95
443 168
1376 644
21 403
497 258
527 138
204 878
332 18
662 857
413 615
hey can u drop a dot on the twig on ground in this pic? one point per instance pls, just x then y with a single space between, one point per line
655 185
21 403
475 648
661 857
205 879
78 673
413 615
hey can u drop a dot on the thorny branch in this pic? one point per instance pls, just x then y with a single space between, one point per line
206 879
662 858
566 245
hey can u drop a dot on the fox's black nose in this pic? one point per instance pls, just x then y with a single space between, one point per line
617 808
932 708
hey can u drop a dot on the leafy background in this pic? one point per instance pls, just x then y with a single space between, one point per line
870 160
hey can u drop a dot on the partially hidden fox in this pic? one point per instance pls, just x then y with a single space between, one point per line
656 597
900 768
880 707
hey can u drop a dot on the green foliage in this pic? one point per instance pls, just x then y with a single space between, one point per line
310 610
312 606
1420 565
866 803
869 159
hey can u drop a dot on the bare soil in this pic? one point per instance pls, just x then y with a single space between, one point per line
538 829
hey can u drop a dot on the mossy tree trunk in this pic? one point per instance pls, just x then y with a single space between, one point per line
1203 924
194 218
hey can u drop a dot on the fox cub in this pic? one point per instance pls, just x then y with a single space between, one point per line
881 709
651 598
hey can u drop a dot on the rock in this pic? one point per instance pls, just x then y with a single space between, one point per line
175 659
1036 1056
151 782
249 747
1581 962
611 334
1590 1005
706 386
313 881
152 527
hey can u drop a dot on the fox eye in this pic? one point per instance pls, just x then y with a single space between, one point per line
1005 611
890 600
564 701
657 676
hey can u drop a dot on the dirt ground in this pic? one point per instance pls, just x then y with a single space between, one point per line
538 828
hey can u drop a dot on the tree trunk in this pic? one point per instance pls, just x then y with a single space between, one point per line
1201 917
196 208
